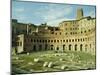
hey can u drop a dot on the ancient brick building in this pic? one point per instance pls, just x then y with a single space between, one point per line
70 35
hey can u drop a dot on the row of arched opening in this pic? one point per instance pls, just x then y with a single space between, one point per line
76 47
52 47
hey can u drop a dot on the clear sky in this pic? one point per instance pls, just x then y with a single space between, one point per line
51 13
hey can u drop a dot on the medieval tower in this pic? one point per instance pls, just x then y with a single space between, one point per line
79 13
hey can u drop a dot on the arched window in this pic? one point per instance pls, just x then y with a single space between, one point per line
45 40
40 40
54 40
81 39
63 40
67 40
48 40
78 40
60 40
51 40
75 40
81 32
72 40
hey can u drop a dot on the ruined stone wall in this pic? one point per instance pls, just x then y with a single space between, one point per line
75 35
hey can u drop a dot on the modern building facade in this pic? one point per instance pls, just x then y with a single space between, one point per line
71 35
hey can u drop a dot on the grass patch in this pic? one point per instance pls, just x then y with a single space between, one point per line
73 60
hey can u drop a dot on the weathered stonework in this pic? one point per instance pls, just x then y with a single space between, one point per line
72 35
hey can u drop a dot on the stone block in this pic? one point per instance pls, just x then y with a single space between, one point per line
36 59
50 65
45 64
28 53
64 67
30 63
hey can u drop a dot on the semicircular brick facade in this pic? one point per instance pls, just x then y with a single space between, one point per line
71 35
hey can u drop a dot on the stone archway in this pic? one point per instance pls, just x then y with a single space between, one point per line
57 48
75 47
46 46
40 47
70 46
86 46
64 47
51 47
81 47
34 47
